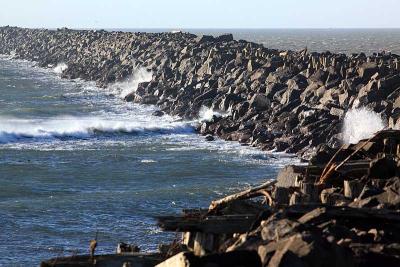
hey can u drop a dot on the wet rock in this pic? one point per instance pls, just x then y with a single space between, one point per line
158 113
130 97
209 138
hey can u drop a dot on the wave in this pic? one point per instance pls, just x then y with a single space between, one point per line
360 124
131 84
60 68
207 114
14 129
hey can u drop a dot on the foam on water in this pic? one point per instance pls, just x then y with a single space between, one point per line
361 123
207 114
60 68
131 84
12 129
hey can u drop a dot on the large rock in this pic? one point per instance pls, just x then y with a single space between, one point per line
366 70
260 102
224 38
205 38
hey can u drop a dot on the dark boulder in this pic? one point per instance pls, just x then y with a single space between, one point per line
224 38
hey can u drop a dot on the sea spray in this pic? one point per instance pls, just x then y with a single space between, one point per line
60 68
131 84
360 124
207 114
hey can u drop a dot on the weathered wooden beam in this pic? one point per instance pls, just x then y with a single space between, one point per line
252 192
227 224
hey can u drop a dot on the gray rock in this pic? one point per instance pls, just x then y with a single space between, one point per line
260 102
209 137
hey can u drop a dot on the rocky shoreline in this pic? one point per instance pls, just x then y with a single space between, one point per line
342 209
283 100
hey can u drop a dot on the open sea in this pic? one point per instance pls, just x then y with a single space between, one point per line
76 159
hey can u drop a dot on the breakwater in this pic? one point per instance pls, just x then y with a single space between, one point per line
285 100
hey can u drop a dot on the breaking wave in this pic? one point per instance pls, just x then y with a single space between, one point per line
131 84
207 114
14 129
360 124
59 69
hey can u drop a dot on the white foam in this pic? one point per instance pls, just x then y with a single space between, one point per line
360 124
60 68
207 114
226 151
131 84
148 161
12 129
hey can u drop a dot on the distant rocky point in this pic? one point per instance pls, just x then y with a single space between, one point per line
284 100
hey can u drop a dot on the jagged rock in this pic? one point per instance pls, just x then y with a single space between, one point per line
304 250
337 112
274 230
158 113
224 38
366 70
287 176
259 102
205 38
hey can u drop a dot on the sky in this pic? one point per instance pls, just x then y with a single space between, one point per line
186 14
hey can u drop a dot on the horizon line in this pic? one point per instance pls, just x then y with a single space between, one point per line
214 28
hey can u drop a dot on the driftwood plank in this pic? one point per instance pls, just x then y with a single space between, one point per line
252 192
227 224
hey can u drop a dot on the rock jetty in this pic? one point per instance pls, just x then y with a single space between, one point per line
290 101
341 210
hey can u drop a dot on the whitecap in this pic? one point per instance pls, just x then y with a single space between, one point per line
60 68
131 84
12 129
361 123
148 161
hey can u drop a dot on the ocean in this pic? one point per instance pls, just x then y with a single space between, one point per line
76 159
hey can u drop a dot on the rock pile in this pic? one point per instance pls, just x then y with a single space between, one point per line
283 100
343 209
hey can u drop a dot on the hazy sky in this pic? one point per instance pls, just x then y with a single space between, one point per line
201 13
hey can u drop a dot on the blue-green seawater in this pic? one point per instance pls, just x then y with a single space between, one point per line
76 159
